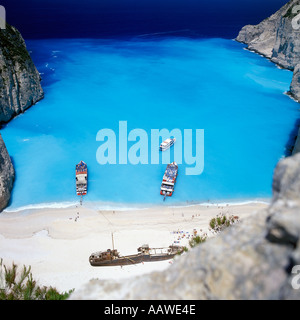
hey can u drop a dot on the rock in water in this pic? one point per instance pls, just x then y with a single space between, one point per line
19 81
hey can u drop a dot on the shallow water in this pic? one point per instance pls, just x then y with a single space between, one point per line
235 96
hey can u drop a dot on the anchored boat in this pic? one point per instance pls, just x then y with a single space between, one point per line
167 144
169 180
145 254
81 178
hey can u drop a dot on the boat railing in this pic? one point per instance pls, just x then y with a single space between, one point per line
168 183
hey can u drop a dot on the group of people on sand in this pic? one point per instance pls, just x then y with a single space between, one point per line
184 236
76 218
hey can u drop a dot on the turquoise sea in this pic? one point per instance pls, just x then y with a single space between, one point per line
235 96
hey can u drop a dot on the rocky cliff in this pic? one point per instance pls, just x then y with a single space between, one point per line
20 84
278 38
295 92
20 88
295 85
7 175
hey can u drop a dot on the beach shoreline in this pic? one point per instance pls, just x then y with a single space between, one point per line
119 206
57 242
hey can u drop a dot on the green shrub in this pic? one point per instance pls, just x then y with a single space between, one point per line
197 240
21 286
222 222
217 224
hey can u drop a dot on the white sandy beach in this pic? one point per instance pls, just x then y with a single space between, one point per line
57 243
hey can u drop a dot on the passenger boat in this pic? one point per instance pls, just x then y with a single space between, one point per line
145 254
169 180
81 178
167 144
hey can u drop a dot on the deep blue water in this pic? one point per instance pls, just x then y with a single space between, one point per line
40 19
235 96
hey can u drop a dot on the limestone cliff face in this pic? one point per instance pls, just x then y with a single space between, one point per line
20 88
7 175
261 38
278 38
251 260
295 85
295 92
20 84
286 51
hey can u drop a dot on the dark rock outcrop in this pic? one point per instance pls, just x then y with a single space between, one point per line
20 88
20 85
7 175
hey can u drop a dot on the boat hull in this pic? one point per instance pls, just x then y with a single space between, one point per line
168 195
129 260
158 257
164 148
121 261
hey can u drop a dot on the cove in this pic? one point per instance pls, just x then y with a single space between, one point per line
235 96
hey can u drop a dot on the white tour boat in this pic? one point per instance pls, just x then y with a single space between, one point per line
167 144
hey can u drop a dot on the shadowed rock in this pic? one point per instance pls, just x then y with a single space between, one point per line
20 85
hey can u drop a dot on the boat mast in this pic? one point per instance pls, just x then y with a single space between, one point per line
112 237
